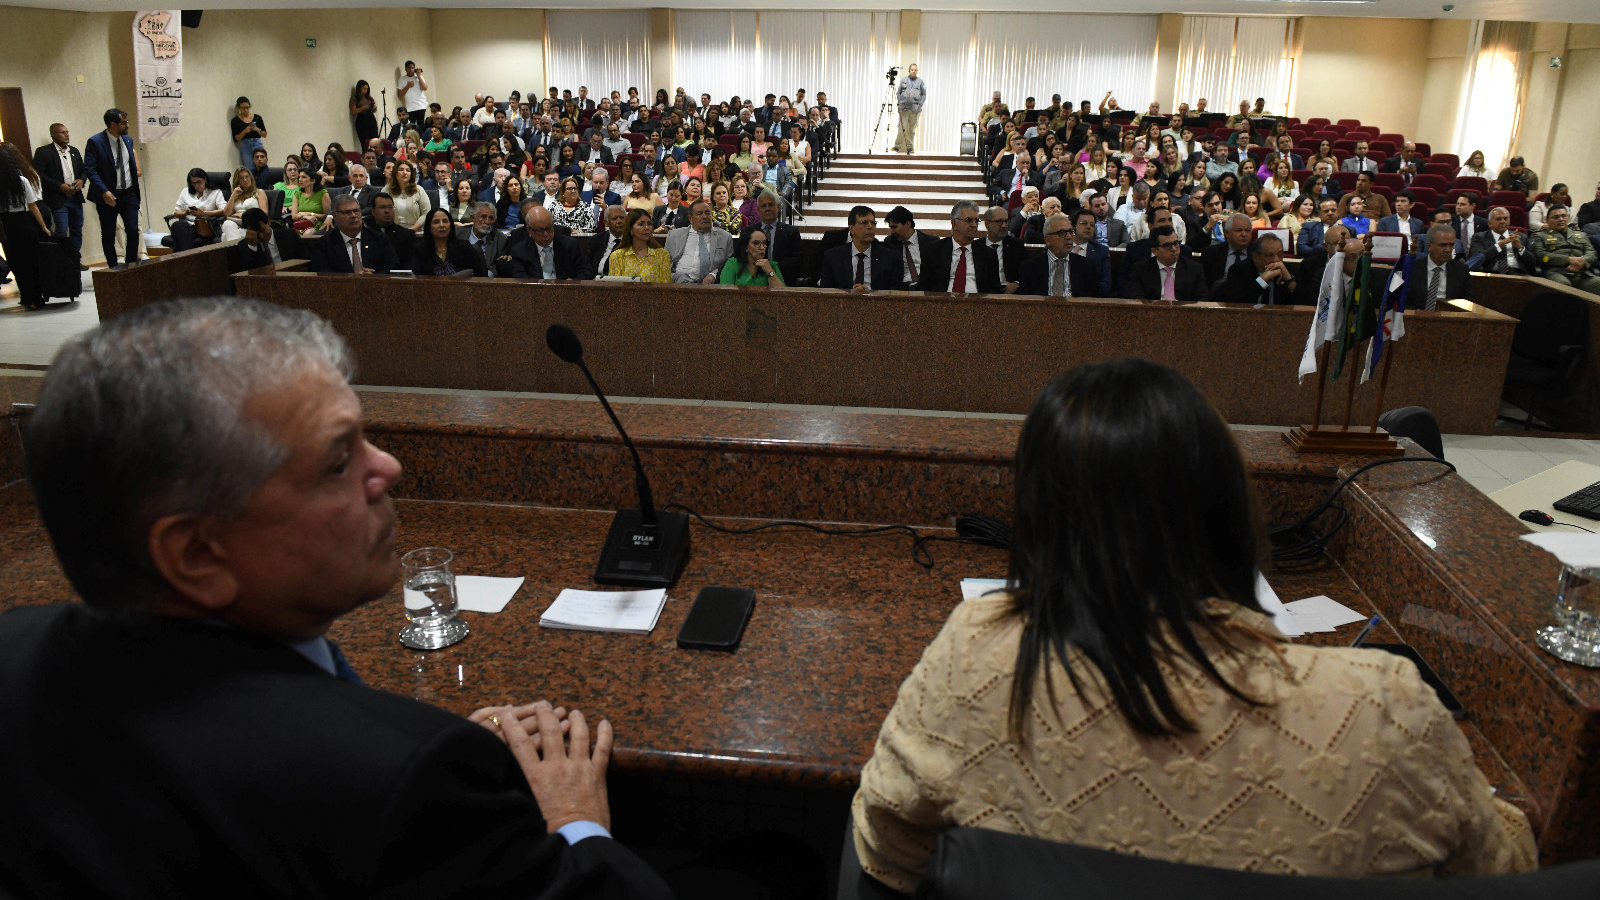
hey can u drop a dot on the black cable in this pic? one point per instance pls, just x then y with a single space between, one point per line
1570 525
1299 541
920 554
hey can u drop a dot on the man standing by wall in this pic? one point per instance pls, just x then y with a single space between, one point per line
412 89
913 93
62 176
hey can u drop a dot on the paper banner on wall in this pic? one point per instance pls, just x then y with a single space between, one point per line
158 72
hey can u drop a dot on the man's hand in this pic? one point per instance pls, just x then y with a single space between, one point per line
567 781
66 188
709 279
1575 264
859 289
1276 272
490 717
1012 287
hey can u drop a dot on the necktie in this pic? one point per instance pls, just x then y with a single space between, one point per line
1435 286
1168 290
1502 262
1234 259
772 236
705 257
861 267
122 182
958 282
547 261
355 254
911 267
341 666
1059 279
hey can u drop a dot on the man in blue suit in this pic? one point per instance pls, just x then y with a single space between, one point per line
1096 254
114 185
1312 233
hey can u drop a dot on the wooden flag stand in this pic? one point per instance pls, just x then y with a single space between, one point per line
1374 441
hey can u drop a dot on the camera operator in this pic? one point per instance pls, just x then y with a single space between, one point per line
913 93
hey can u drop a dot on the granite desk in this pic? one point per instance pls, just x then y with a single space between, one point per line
520 487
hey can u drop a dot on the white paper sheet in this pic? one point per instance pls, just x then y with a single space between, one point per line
976 587
629 612
1267 599
1325 612
1580 551
481 593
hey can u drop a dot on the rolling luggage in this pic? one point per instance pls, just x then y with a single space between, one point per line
969 138
58 270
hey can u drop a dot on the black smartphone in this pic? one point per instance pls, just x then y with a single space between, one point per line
717 619
1429 676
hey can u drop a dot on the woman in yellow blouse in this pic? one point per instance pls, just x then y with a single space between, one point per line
1212 739
641 197
643 257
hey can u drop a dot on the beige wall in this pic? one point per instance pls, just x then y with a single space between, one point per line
1169 31
1442 83
1366 69
1577 132
492 50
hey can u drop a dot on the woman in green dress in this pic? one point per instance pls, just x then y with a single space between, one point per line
752 267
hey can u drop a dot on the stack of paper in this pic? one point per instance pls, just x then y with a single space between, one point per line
480 593
1319 614
628 612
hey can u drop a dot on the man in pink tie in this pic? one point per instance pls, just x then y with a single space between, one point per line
1168 274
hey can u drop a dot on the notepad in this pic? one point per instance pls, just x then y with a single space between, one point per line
481 593
626 612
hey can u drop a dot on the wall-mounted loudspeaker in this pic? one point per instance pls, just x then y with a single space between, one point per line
191 18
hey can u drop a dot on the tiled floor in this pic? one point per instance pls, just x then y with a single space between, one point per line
1489 462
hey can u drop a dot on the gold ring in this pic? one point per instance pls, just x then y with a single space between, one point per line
495 720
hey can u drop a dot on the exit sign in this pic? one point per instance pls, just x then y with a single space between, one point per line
311 43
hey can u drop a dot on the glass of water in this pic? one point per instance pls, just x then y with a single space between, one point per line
430 600
1577 608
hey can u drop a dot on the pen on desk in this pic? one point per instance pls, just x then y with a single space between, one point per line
1371 624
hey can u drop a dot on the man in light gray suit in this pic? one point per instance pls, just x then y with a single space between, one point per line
485 239
698 251
1360 162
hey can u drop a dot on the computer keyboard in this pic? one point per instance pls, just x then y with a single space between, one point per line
1584 502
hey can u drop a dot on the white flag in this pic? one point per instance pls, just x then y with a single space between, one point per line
158 73
1330 314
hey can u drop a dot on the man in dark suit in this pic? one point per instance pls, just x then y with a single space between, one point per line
439 187
1589 213
595 150
671 214
1168 274
915 248
600 192
1315 261
863 264
351 247
783 241
961 264
1406 163
1008 250
1261 280
61 179
1438 274
359 188
1108 230
1089 248
1313 233
1010 181
251 759
264 243
606 242
113 170
1499 250
539 253
1058 272
402 240
1234 250
1467 222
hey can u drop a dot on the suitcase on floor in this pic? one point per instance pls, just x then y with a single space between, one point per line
969 138
59 278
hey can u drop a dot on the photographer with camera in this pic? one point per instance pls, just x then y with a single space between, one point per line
912 95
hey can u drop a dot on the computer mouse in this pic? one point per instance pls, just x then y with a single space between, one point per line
1536 516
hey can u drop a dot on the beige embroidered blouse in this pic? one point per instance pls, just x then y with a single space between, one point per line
1354 769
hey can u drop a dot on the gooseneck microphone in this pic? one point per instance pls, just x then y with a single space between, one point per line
643 547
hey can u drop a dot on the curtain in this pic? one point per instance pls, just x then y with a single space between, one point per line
1078 56
1497 92
1258 62
946 62
714 53
604 49
1205 61
859 48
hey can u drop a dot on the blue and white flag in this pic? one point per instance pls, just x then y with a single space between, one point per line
1391 316
1330 314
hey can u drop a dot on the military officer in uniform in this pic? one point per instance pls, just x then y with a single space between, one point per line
1565 253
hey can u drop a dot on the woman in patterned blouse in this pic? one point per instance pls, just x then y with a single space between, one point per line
724 214
1213 740
572 211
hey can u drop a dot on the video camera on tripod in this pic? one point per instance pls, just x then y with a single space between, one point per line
894 72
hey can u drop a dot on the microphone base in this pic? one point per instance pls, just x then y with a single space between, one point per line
637 555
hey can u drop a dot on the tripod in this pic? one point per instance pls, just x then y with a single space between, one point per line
886 109
385 125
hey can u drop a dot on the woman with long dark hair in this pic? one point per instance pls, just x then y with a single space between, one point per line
440 252
1125 689
364 108
22 223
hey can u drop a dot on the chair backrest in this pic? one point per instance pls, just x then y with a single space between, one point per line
270 176
1346 144
352 156
222 181
1471 183
1426 196
982 864
1519 216
1440 169
1436 182
1550 321
1325 134
1424 149
1318 122
1449 159
634 138
1417 423
1347 180
471 147
1389 180
1349 123
1387 148
1393 138
274 208
1509 199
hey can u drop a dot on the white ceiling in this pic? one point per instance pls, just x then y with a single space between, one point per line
1576 11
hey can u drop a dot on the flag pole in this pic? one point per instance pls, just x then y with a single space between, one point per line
1322 383
1383 384
1350 393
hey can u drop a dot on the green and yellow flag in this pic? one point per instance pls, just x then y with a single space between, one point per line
1360 313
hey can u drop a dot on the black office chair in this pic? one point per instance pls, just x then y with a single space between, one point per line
979 864
1548 351
1417 423
269 177
222 181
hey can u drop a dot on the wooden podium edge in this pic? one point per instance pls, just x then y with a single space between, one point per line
1310 439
